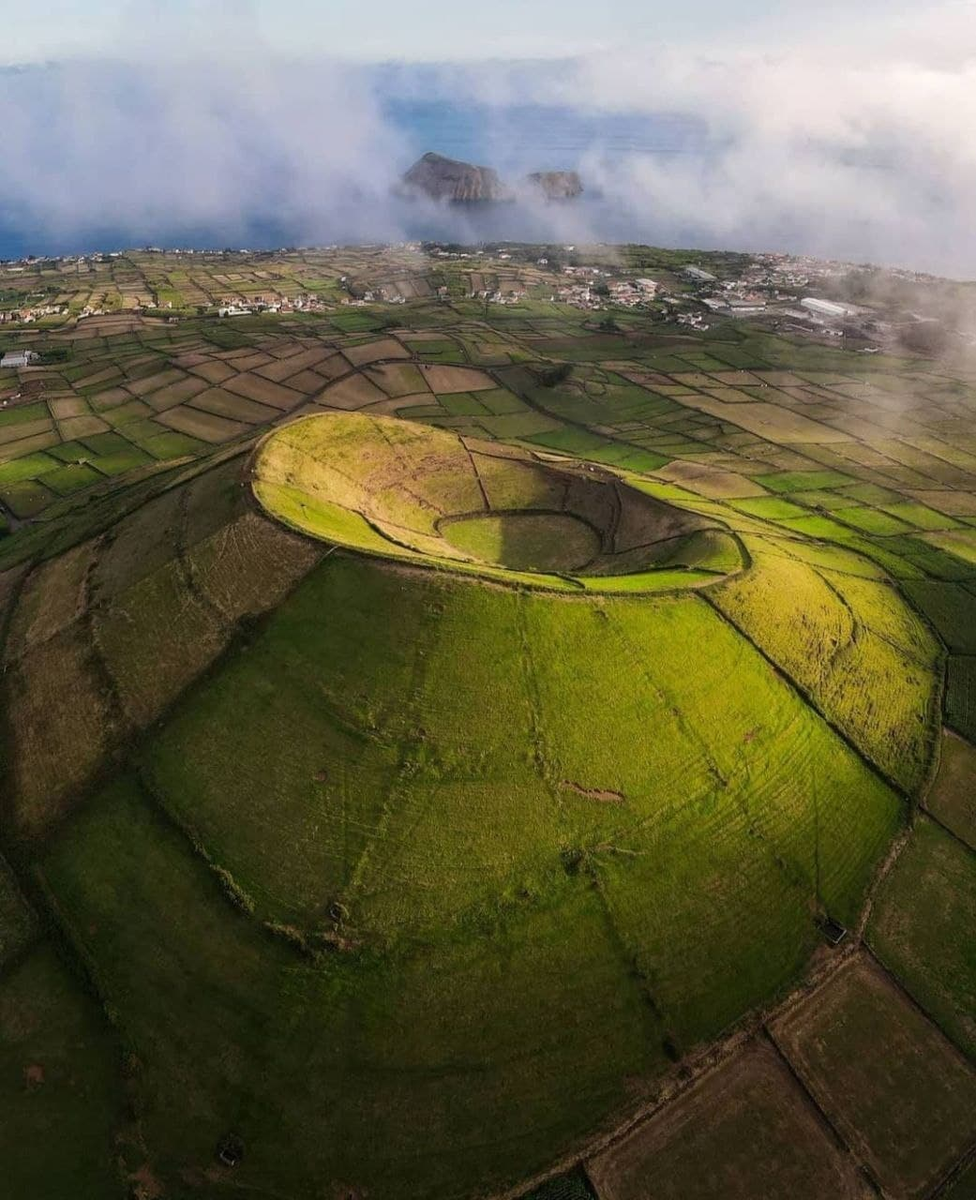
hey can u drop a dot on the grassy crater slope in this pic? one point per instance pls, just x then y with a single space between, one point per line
412 882
411 492
545 838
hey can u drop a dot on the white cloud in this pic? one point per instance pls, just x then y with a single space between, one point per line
855 141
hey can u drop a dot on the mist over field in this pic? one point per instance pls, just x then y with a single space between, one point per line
202 136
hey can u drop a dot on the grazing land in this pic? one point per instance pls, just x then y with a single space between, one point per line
461 729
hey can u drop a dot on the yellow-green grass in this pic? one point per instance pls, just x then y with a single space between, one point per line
525 541
885 1076
921 928
384 486
435 772
852 644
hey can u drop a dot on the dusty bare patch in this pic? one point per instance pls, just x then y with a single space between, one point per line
600 795
145 1185
33 1076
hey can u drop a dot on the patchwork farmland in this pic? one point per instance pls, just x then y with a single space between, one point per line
456 751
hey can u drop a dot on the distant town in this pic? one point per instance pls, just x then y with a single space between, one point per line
870 308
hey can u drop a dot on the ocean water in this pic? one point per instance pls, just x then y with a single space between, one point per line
516 139
532 137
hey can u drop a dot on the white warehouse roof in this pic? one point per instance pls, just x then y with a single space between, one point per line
18 358
826 308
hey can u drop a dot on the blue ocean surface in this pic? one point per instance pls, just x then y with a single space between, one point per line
533 137
515 139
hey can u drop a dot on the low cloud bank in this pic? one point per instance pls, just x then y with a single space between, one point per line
866 155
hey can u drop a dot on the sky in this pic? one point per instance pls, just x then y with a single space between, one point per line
828 128
424 30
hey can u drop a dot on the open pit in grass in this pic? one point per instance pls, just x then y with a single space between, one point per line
385 486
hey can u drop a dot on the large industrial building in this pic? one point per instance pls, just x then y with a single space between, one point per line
828 309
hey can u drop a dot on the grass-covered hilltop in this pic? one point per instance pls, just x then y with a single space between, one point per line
465 737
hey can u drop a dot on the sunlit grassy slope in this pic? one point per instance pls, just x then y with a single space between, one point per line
433 498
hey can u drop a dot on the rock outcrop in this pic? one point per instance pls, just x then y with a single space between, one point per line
448 179
557 185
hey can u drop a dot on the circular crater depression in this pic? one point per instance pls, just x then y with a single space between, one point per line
386 486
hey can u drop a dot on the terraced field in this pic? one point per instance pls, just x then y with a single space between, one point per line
442 771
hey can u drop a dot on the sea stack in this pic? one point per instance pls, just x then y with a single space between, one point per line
557 185
447 179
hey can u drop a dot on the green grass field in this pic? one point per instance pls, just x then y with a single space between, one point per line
920 926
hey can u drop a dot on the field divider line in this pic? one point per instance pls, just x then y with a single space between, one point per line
653 1012
125 727
808 699
407 747
7 741
823 1118
954 1173
945 828
477 474
224 621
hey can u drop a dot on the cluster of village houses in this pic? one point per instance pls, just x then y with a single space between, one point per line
246 308
27 316
771 284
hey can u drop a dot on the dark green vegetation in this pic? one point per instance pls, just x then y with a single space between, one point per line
413 874
922 925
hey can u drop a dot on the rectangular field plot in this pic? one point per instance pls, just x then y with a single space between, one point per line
900 1093
202 425
746 1131
960 702
950 608
952 797
921 927
235 408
